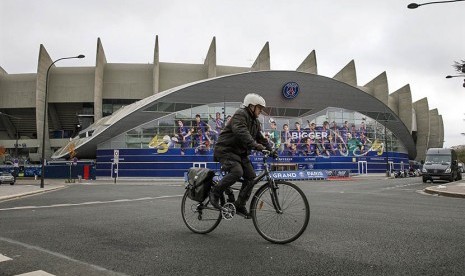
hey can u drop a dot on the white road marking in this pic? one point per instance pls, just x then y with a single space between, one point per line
88 203
59 255
36 273
4 258
401 186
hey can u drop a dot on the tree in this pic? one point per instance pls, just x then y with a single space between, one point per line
461 154
459 66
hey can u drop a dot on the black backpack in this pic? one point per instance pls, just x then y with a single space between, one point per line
200 182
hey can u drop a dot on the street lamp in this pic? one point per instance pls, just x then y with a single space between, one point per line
450 77
415 5
388 169
42 175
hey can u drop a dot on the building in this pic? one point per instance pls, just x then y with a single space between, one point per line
111 106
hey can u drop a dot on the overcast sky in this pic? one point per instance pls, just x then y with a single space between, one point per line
416 47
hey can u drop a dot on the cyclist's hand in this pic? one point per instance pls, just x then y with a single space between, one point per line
259 147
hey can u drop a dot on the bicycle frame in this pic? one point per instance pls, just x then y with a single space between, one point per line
270 181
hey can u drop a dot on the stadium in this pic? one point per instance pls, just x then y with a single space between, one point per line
159 119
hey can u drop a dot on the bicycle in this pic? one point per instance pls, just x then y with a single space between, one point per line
279 209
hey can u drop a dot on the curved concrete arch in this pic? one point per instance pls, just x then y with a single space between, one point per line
315 93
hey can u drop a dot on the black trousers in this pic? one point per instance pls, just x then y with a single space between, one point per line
235 170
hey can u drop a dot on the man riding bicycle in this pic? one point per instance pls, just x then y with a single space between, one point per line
240 135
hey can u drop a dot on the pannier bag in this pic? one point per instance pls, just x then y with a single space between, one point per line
200 182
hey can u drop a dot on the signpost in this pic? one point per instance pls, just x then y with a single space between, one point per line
114 171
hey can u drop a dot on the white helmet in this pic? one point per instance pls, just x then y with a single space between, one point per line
254 99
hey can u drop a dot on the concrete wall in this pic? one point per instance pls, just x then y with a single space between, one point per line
71 85
127 81
175 74
18 91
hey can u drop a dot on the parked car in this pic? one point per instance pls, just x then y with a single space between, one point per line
6 177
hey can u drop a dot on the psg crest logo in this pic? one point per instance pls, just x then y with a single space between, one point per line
290 90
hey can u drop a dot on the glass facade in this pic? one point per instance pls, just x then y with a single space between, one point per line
296 132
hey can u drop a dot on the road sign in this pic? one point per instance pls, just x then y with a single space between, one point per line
116 156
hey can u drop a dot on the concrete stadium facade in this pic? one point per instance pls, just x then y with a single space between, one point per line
83 95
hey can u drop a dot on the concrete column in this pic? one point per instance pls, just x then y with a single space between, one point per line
43 64
156 67
100 62
441 132
403 99
347 74
210 60
3 72
378 87
263 60
423 126
434 133
309 64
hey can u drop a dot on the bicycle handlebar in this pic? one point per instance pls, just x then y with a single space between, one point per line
268 153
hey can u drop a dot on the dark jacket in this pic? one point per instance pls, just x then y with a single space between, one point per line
239 136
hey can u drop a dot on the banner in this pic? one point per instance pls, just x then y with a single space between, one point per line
300 175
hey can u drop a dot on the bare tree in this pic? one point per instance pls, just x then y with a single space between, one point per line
459 66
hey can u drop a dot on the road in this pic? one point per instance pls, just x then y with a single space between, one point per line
366 226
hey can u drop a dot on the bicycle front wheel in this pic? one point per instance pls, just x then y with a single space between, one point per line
199 217
280 215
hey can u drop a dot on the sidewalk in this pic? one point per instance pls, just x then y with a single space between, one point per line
24 187
30 186
452 189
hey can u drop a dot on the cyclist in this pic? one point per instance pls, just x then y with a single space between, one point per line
240 135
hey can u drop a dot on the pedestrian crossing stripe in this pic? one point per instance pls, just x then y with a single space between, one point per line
36 273
4 258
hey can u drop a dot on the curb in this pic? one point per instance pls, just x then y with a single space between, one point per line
443 193
14 196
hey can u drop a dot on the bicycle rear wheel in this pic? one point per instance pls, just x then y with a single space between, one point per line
280 226
199 217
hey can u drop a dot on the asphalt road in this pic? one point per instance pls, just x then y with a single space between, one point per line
359 227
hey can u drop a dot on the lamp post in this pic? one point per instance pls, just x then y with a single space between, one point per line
415 5
388 170
42 174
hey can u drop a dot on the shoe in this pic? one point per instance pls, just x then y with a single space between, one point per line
231 199
242 211
215 200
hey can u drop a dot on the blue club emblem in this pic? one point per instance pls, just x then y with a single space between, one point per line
290 90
